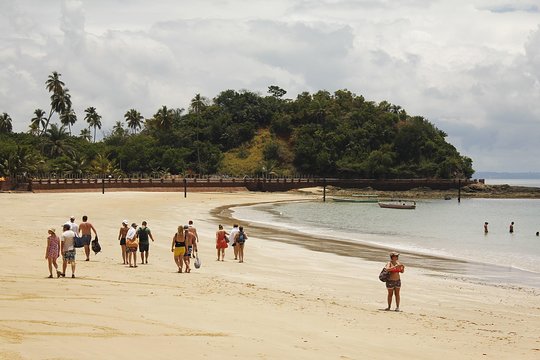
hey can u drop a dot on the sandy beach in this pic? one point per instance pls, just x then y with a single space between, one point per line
286 301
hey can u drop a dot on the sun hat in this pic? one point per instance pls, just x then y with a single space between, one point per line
125 222
72 217
52 230
186 227
393 253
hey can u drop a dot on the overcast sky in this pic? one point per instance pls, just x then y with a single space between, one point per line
472 67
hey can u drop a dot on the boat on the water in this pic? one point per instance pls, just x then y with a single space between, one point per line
358 198
408 205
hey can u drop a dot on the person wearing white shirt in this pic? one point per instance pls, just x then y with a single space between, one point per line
232 236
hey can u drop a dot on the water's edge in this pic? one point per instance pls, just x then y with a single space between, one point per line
439 266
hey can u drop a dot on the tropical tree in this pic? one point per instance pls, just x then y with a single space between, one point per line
93 119
68 118
102 166
164 118
86 134
5 123
56 141
134 120
60 97
37 122
197 105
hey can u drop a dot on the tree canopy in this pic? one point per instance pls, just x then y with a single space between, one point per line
237 133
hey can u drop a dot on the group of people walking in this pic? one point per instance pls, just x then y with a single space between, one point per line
132 238
223 238
72 236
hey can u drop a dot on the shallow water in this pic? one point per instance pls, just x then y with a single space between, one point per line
440 228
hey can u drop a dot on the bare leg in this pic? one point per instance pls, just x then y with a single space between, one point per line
179 263
64 266
49 260
186 261
390 293
235 252
240 253
134 259
73 269
142 257
87 252
398 298
124 255
146 256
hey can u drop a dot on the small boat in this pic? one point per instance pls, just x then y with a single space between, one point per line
409 205
358 198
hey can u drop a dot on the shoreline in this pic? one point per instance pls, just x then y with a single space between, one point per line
439 266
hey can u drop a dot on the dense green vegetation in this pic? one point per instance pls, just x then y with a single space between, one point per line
236 133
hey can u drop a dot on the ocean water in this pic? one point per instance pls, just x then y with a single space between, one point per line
443 228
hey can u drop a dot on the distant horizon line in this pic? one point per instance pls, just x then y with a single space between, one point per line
507 174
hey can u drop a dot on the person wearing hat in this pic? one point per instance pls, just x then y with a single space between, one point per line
52 252
122 238
73 224
393 284
132 244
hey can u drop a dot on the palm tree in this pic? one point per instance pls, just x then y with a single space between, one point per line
93 119
197 105
60 97
164 118
56 143
38 121
5 123
134 119
86 134
101 165
68 118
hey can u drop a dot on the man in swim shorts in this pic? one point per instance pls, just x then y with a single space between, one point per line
85 228
144 245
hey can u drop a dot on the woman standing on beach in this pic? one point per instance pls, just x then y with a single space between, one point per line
240 239
221 242
393 284
178 247
53 251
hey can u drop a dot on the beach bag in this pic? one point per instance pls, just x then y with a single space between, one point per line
95 245
384 275
226 239
197 262
78 242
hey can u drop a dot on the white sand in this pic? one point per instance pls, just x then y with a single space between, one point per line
284 302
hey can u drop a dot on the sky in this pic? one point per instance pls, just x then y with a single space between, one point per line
471 67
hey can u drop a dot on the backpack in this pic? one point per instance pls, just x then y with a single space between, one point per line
241 237
95 246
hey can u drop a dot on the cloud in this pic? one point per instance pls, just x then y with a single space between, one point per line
470 67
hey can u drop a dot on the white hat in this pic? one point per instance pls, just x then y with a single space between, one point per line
125 222
72 217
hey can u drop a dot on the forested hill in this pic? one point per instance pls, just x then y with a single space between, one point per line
240 133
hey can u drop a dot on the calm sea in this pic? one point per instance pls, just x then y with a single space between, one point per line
443 228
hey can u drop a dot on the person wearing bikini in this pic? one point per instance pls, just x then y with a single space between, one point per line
393 285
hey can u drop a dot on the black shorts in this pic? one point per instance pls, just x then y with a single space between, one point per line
86 239
144 247
123 241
